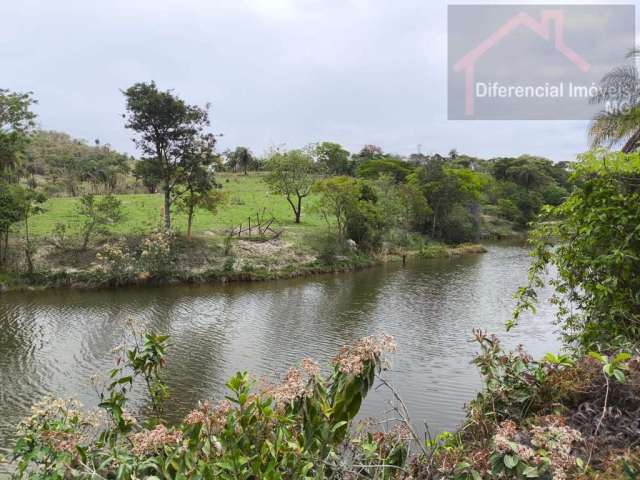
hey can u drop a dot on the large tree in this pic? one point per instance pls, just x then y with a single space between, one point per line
332 158
167 130
291 174
16 123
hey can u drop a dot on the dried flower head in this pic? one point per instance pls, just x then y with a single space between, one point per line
150 441
351 359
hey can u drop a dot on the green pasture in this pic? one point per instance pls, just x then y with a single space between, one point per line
142 212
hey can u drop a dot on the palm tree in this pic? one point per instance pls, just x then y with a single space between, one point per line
620 124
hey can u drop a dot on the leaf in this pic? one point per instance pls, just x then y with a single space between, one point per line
619 375
510 461
599 357
621 357
338 425
530 472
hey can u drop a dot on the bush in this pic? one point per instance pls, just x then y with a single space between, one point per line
596 254
459 226
157 252
116 262
296 429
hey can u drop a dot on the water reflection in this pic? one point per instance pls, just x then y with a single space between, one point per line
52 342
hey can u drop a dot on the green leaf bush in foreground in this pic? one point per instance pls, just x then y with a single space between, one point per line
295 429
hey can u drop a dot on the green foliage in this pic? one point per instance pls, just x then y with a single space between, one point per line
452 194
614 367
148 172
351 207
514 383
58 163
16 123
297 429
395 168
291 174
9 214
332 159
524 184
617 123
240 159
198 185
596 254
170 132
18 205
97 214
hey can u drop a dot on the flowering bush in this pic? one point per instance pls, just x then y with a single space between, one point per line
544 451
303 426
116 262
157 253
294 429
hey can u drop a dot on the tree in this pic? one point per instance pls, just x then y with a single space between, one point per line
98 215
392 167
240 158
167 129
291 174
193 200
338 196
199 188
59 157
368 152
103 167
451 193
16 123
148 172
332 159
619 122
9 215
30 203
351 206
17 204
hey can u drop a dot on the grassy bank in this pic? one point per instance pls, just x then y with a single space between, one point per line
248 261
289 250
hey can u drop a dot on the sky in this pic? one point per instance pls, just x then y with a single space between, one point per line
276 72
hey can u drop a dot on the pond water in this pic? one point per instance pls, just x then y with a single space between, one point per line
51 342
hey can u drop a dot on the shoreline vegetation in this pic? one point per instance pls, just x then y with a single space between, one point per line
243 269
75 214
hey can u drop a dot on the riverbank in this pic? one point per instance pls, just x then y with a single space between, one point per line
245 261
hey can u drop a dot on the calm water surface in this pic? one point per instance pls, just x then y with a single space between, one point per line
52 342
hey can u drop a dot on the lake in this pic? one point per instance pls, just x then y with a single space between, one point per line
51 342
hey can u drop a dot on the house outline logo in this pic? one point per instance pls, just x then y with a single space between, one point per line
542 28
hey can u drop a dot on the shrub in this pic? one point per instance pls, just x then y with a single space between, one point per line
116 262
295 429
157 252
97 215
596 254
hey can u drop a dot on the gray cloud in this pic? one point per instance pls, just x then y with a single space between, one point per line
275 71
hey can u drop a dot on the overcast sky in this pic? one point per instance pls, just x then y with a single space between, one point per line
275 71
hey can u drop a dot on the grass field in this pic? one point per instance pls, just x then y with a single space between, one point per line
142 213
